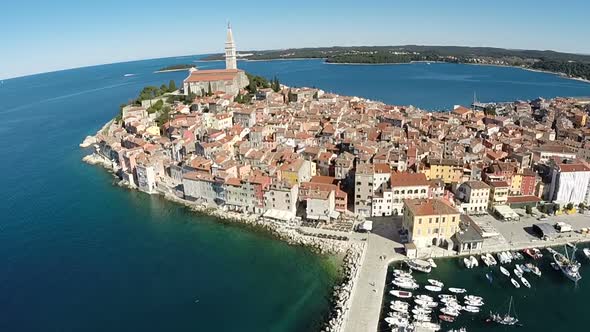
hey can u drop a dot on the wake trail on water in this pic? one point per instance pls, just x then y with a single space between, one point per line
66 96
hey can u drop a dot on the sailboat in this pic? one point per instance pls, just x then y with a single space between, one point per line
568 266
503 319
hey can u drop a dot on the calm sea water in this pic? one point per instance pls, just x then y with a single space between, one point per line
80 254
553 303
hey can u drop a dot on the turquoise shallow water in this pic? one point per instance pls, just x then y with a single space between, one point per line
80 254
553 303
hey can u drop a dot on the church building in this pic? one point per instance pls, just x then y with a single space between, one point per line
229 80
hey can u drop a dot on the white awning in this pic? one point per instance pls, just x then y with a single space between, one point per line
279 215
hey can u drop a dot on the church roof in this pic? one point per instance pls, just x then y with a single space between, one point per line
212 75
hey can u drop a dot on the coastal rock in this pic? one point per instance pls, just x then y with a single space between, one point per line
88 141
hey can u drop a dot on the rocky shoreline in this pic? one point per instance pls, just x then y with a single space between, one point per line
351 251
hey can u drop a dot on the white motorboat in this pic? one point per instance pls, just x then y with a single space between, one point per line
433 288
474 262
515 283
431 262
435 282
419 265
401 294
491 259
473 298
534 253
450 311
396 321
524 268
399 309
400 315
474 303
427 304
504 271
402 274
405 284
421 311
467 262
427 326
535 270
485 260
470 308
447 297
424 298
400 303
554 266
586 252
525 282
517 255
509 255
517 273
517 267
422 318
457 290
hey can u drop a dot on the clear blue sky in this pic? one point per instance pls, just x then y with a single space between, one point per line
40 36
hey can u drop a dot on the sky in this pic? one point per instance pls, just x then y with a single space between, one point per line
40 36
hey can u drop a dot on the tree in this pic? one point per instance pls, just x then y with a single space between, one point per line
275 85
156 107
529 209
569 206
581 206
171 86
209 91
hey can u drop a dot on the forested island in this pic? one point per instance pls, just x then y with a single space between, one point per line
568 64
176 67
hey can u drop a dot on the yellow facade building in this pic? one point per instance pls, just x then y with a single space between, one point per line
430 221
448 170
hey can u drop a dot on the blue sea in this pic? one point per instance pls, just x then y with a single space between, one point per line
78 253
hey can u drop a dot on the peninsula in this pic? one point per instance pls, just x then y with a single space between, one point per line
348 175
567 64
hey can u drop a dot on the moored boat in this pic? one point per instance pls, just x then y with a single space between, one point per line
432 263
433 288
485 260
450 311
586 252
401 294
503 319
504 271
446 318
492 260
515 283
457 290
474 262
467 262
419 265
435 282
517 273
470 308
525 282
427 326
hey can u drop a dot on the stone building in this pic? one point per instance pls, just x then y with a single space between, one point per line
229 80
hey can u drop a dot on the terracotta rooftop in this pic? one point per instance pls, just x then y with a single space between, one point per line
429 207
212 75
573 168
408 179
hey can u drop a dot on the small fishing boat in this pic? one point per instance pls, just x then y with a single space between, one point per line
524 268
457 290
517 273
473 298
421 318
525 282
485 260
446 318
399 309
467 262
586 252
474 303
424 298
508 254
515 283
405 283
571 245
400 303
435 282
533 269
427 304
489 277
517 255
517 267
396 321
492 260
501 258
447 297
432 263
474 262
426 326
504 271
421 311
472 309
401 294
419 265
503 319
554 266
433 288
450 311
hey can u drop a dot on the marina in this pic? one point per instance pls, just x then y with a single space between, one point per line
490 298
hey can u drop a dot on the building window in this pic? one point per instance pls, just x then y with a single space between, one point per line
420 221
430 220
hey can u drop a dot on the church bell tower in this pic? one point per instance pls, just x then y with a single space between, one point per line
230 50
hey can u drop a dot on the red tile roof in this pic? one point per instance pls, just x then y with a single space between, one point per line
212 75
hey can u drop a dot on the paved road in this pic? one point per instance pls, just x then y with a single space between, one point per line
368 292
